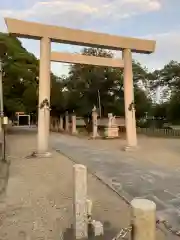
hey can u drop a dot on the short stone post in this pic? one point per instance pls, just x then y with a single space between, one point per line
112 130
67 122
80 201
94 123
51 124
143 219
61 123
57 126
89 207
73 124
54 125
98 228
110 117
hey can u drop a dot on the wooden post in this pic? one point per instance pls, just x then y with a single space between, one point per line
80 202
89 207
73 130
51 124
143 219
97 228
94 123
130 118
61 123
67 122
57 126
44 97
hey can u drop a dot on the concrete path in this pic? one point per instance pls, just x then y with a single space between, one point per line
128 176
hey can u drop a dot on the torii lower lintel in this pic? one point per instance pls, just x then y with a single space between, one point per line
87 60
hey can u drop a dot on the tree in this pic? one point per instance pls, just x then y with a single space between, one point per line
173 106
167 80
142 101
85 82
58 98
20 79
79 92
20 71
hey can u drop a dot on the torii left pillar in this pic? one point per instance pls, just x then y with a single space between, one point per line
130 119
44 93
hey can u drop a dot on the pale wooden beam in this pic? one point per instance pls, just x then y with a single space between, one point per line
78 37
87 60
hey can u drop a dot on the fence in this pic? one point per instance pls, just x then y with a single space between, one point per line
173 133
102 123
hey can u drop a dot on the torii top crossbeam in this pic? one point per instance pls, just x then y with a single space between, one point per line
78 37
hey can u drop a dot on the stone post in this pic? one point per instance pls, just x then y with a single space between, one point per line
57 125
51 124
110 116
61 123
67 122
73 124
54 125
130 120
143 217
89 207
98 228
94 123
29 120
80 201
44 95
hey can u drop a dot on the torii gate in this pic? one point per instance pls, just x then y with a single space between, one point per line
47 34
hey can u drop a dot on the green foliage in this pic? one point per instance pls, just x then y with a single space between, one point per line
173 107
168 78
86 85
20 78
86 82
58 100
20 71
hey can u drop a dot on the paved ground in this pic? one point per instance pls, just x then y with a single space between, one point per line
141 174
160 151
38 203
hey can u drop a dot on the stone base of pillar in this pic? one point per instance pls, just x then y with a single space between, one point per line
51 127
56 129
111 132
130 148
39 155
61 130
44 155
74 133
94 137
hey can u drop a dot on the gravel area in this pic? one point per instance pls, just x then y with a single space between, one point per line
38 201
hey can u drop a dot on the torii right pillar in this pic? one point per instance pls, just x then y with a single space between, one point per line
130 119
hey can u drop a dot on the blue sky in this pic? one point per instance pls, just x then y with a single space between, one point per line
150 19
